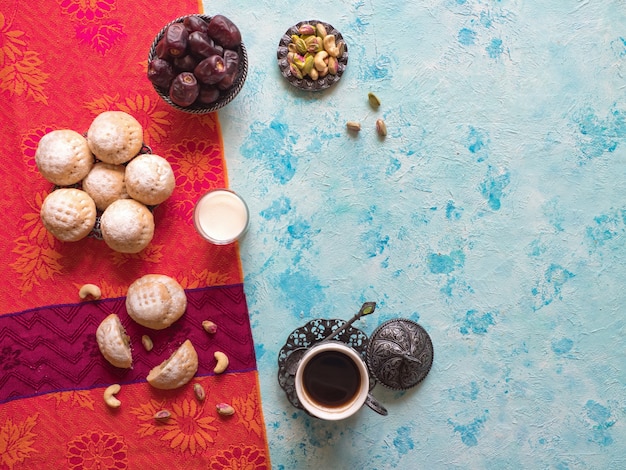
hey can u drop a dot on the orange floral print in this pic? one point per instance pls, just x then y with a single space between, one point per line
16 441
74 398
97 450
101 36
37 260
20 74
87 9
204 278
197 165
240 458
152 254
249 413
188 429
29 146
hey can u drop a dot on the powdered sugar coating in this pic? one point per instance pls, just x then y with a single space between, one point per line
115 137
127 226
149 179
105 183
155 301
69 214
63 157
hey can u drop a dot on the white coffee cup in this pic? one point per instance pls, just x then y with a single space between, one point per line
332 381
221 216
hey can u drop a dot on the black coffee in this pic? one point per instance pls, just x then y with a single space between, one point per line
331 379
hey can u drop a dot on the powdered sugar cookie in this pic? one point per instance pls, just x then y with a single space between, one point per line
149 179
127 226
105 183
155 301
63 157
113 342
69 214
177 370
115 137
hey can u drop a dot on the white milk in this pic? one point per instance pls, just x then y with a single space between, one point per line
221 216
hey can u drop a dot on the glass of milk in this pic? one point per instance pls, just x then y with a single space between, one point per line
221 216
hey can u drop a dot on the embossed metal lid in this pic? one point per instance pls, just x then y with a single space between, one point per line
400 354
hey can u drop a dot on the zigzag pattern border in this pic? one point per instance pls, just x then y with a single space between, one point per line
54 348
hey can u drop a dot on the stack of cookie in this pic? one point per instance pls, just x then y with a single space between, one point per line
103 176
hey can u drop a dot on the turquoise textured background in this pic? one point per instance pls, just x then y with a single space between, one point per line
492 213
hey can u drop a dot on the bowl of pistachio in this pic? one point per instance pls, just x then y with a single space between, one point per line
312 55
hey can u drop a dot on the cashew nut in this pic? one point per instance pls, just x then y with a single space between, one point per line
329 42
222 362
320 61
90 289
109 397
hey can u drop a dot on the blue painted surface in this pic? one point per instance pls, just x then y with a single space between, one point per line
493 214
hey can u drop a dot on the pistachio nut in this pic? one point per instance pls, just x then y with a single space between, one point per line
306 29
295 71
225 409
147 343
198 390
373 99
381 127
353 126
291 47
300 45
308 64
298 60
209 326
313 44
162 415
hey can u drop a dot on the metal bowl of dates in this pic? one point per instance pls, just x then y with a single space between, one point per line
198 63
312 55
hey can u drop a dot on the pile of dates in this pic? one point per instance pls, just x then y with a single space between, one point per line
196 60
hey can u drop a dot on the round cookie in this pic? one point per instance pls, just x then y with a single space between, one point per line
105 183
177 370
155 301
149 179
127 226
69 214
113 342
115 137
63 157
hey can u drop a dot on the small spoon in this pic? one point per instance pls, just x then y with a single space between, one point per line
291 365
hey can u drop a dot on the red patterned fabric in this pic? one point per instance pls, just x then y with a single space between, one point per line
62 62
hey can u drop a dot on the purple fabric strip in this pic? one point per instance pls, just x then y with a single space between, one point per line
54 348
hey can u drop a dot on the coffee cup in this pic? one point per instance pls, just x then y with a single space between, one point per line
332 382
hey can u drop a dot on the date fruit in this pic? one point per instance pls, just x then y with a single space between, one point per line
184 89
202 46
186 63
161 73
210 70
208 94
175 39
195 23
231 61
224 31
